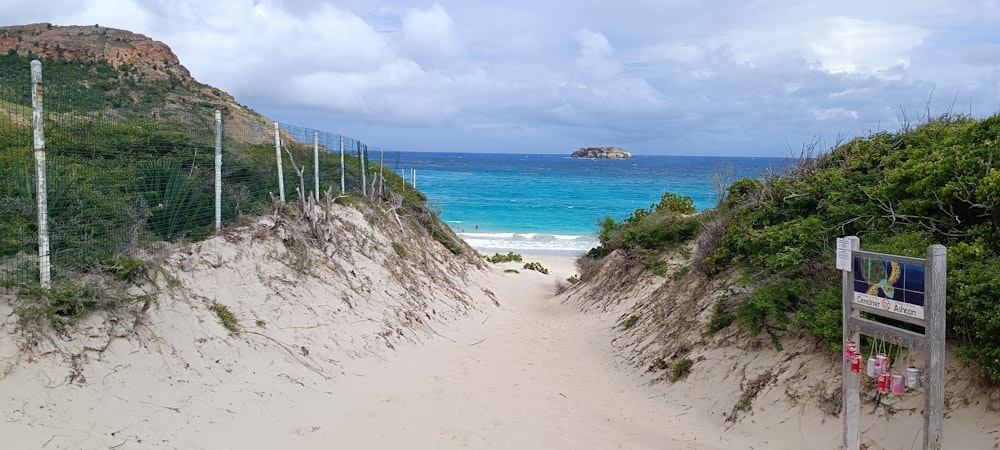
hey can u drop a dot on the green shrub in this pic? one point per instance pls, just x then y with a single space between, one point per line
768 306
125 268
17 234
663 226
177 206
660 231
509 257
721 317
226 317
899 192
681 368
973 310
653 262
674 204
23 274
537 267
823 315
440 232
65 302
681 272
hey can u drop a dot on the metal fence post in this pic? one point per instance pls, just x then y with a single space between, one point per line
316 162
343 188
218 170
277 154
361 158
38 120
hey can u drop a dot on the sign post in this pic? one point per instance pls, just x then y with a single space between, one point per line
851 398
910 290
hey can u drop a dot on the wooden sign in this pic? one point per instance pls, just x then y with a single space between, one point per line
910 290
894 288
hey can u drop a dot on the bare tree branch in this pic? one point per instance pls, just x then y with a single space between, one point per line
721 178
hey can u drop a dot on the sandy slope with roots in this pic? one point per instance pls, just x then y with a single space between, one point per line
789 398
355 333
308 307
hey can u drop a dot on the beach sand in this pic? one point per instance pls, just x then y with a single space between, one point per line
532 372
374 351
536 374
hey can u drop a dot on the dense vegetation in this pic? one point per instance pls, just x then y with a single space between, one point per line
88 86
665 225
899 192
130 162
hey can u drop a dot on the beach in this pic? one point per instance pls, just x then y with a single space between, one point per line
369 349
521 369
536 373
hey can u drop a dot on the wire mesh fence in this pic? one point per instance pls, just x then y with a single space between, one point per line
18 235
129 165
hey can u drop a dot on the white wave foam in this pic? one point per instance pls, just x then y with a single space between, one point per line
530 243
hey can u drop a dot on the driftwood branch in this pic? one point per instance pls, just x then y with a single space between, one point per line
929 223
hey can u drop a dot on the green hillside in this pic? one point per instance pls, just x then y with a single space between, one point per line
130 163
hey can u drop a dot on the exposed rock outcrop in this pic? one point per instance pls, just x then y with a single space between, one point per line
143 61
601 152
94 43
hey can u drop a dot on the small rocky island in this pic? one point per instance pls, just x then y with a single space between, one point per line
601 152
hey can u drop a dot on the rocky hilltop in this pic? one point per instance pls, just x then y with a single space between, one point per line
147 71
601 152
94 43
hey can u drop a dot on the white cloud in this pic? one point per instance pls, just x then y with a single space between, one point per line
260 51
594 48
399 92
596 59
677 52
849 45
834 113
429 36
677 75
105 13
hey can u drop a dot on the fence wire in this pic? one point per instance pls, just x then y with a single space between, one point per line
18 223
130 166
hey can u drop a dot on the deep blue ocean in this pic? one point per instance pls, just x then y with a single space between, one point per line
550 204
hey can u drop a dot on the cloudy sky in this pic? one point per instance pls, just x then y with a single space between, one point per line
724 77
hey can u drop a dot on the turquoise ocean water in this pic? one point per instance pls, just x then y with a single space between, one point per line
550 204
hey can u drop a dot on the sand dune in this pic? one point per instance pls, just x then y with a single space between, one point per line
363 346
311 373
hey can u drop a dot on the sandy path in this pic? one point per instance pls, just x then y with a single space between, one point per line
536 374
541 374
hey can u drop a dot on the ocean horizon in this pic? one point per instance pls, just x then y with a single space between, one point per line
549 204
